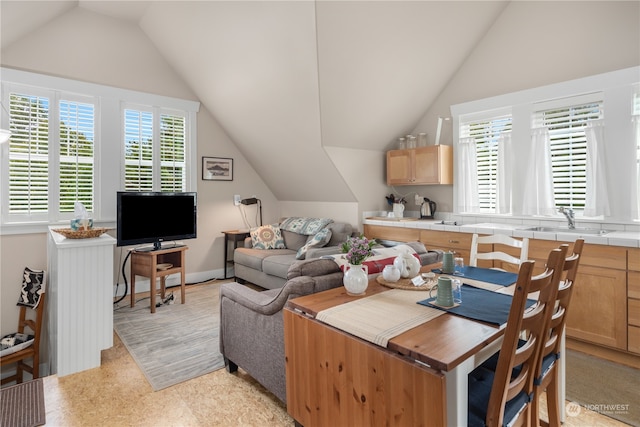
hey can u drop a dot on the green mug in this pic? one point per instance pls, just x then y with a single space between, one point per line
444 296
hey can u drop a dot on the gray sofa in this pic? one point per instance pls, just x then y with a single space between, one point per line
268 268
251 325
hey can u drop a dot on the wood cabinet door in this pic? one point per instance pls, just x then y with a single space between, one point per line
398 234
400 167
427 170
434 165
598 310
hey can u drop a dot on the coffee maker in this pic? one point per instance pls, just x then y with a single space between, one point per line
428 209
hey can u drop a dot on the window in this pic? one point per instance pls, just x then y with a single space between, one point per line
76 141
568 147
140 150
36 189
553 128
486 133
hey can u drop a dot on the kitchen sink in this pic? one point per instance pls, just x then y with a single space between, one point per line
577 230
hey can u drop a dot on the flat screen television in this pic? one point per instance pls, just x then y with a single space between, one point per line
155 217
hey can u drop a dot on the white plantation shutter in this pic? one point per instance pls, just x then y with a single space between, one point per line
28 155
77 138
172 153
486 134
155 151
138 150
566 125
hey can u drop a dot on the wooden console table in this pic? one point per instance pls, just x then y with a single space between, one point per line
145 263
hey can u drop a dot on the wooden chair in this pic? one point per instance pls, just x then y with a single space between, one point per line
503 396
31 352
547 370
497 255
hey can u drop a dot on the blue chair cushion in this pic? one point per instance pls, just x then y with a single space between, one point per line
480 382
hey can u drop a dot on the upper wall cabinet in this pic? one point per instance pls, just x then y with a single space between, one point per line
420 166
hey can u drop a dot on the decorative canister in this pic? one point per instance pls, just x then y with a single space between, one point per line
390 273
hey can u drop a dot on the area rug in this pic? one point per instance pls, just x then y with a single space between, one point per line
179 341
22 405
605 387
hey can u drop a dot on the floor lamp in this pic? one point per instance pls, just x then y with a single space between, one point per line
253 201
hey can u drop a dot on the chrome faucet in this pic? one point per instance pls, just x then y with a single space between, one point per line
568 212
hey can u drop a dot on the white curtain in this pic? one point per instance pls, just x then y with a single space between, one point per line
467 189
635 192
504 174
597 194
538 192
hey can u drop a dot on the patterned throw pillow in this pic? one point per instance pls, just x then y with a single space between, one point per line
306 226
320 239
32 288
267 237
12 343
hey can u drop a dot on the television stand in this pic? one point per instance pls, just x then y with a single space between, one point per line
145 263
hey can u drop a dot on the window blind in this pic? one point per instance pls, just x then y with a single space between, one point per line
28 154
172 153
486 133
568 147
138 150
77 135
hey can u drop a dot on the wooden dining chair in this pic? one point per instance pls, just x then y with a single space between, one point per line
29 327
547 377
504 396
495 254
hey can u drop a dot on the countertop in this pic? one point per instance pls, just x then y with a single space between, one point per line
610 238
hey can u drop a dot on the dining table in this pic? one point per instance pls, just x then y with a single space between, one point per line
389 356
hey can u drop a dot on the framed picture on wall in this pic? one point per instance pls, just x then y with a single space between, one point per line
217 169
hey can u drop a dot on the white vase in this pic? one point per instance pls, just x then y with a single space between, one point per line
356 279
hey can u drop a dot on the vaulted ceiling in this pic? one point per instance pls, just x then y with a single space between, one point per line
285 79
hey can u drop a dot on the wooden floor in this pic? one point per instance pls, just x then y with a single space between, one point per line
117 394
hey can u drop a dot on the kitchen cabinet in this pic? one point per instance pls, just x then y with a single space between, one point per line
420 166
598 311
633 300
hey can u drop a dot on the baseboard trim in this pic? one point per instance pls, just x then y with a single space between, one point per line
613 355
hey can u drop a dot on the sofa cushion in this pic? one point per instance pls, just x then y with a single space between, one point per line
340 232
253 258
320 239
267 237
278 265
293 240
306 226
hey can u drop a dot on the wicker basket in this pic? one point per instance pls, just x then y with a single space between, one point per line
81 234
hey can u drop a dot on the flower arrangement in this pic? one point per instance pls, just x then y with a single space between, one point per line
358 249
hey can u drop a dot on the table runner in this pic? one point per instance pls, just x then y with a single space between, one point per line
480 304
487 275
380 317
